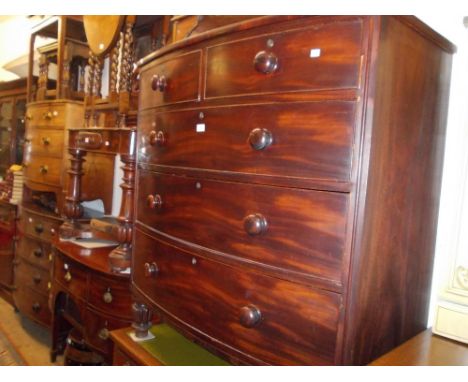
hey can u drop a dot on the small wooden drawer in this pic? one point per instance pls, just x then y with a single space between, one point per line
71 276
43 169
320 56
38 225
98 327
110 295
268 318
33 304
34 251
304 140
32 276
44 142
172 81
253 223
48 114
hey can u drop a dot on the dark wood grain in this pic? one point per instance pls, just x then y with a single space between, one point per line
231 71
182 75
399 193
308 226
213 299
309 140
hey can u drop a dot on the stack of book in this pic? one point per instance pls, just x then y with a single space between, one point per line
17 189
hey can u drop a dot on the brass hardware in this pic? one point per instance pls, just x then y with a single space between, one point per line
154 201
151 269
265 62
157 138
260 139
107 296
250 316
53 231
43 169
68 277
103 334
255 224
48 115
158 83
50 257
49 285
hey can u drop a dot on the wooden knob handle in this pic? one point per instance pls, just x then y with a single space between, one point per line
29 117
107 296
43 169
154 202
255 224
37 279
104 334
37 252
151 269
157 138
158 82
250 316
39 228
48 115
67 277
260 139
45 141
265 62
36 307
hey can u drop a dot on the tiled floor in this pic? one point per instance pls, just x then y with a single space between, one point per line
31 339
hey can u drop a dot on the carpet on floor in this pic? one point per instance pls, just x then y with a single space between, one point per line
9 356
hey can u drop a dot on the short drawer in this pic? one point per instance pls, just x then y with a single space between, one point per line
110 295
296 232
44 142
98 328
34 251
304 140
43 169
46 114
171 81
318 57
32 304
38 225
270 319
32 276
71 276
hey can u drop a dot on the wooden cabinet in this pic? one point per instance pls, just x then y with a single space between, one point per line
288 177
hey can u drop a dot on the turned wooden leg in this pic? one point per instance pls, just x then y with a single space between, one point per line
120 257
73 209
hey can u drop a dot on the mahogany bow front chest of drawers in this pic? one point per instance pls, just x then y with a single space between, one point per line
287 186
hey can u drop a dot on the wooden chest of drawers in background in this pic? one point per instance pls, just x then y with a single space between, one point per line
288 181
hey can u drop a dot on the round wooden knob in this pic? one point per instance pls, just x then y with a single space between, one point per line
151 269
255 224
250 316
107 296
48 115
260 139
37 279
39 228
45 141
154 201
157 138
43 169
67 277
158 82
37 252
265 62
36 307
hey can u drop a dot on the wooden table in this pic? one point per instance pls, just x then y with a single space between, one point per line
426 349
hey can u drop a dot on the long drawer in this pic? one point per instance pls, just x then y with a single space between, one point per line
37 225
45 142
272 320
33 304
288 230
34 251
32 276
72 276
43 169
319 56
306 139
174 80
46 114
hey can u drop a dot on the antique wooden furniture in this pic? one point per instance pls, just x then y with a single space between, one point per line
426 349
7 249
12 118
51 112
167 348
288 176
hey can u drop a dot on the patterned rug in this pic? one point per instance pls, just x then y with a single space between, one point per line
9 356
